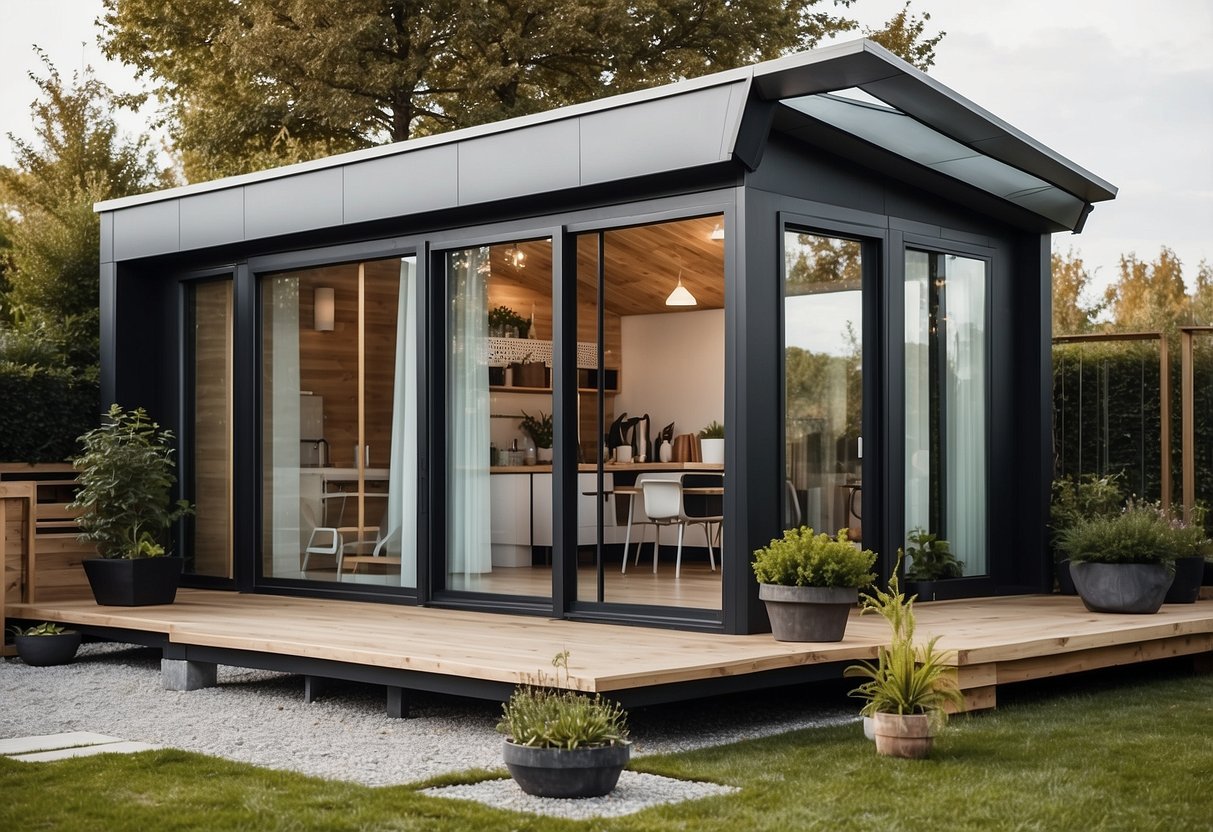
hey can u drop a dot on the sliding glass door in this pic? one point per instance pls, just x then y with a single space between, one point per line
946 404
339 382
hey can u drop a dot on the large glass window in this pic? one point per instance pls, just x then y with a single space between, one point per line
209 306
650 353
945 390
339 381
499 410
823 383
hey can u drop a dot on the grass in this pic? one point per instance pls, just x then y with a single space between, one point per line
1131 750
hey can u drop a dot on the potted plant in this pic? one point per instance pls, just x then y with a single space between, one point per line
1123 563
908 688
1189 543
45 644
126 476
931 560
809 583
562 743
1073 499
504 321
711 443
540 431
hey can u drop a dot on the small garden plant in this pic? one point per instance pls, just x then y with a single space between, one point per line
931 558
803 557
46 628
544 717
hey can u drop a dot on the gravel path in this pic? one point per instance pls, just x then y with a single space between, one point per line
259 717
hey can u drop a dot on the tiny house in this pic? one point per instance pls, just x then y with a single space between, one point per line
841 261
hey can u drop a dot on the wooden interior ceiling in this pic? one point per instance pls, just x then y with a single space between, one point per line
642 266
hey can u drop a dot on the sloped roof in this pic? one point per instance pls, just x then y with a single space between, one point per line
914 124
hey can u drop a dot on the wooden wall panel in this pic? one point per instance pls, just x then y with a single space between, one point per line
211 547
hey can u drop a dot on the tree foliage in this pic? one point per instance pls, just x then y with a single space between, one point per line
904 35
77 159
1072 315
255 83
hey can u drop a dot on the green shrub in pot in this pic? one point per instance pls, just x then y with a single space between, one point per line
809 582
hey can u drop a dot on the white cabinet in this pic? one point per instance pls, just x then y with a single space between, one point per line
587 507
510 526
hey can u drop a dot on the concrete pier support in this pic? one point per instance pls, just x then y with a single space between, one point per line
180 674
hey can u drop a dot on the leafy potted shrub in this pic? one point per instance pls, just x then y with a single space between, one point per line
1123 563
540 431
809 583
908 688
711 443
1073 499
562 743
46 644
126 476
1189 543
931 560
504 321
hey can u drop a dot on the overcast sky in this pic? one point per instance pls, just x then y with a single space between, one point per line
1124 88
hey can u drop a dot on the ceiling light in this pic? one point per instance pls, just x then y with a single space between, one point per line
717 233
324 309
681 296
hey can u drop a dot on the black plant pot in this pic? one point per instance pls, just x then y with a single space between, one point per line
1121 587
557 772
1185 589
138 582
1208 580
1065 581
44 651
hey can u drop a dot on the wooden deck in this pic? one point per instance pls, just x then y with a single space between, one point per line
994 641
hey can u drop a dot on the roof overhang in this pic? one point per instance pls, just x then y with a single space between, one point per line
914 126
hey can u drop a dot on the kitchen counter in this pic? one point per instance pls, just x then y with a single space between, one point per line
612 468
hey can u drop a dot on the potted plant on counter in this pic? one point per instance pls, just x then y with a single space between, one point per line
562 743
711 443
909 688
126 478
45 644
540 431
809 583
931 560
1123 563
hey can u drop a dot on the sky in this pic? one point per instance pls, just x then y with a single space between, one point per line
1124 88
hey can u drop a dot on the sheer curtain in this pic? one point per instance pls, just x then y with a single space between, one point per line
288 538
918 391
965 408
402 477
469 549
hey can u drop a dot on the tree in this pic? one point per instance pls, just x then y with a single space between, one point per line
903 36
1071 280
76 160
1202 296
1149 296
259 82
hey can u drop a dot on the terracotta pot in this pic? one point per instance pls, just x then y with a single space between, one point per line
903 735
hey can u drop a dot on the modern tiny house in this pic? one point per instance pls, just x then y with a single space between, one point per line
837 258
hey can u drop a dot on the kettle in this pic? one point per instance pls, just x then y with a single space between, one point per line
640 438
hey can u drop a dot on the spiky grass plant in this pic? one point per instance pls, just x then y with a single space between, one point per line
545 717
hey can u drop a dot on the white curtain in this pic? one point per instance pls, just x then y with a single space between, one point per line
287 539
965 409
402 477
917 391
469 549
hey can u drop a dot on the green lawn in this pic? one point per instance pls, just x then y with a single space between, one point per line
1131 750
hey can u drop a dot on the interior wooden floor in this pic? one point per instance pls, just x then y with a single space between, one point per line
993 641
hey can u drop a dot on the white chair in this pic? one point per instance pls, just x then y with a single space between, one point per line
331 540
665 505
638 517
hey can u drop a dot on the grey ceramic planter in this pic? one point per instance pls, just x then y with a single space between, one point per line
557 772
45 651
1121 587
808 613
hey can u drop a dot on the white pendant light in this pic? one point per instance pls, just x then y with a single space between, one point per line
717 233
681 296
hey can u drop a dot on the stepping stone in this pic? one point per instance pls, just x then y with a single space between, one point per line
50 742
85 751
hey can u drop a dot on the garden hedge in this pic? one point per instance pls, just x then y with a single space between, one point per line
43 410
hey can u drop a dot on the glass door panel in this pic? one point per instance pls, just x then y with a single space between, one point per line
499 406
650 327
210 487
823 383
945 418
339 423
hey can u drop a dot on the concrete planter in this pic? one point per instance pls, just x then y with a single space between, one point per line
133 582
559 772
808 613
1121 587
903 735
1185 589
